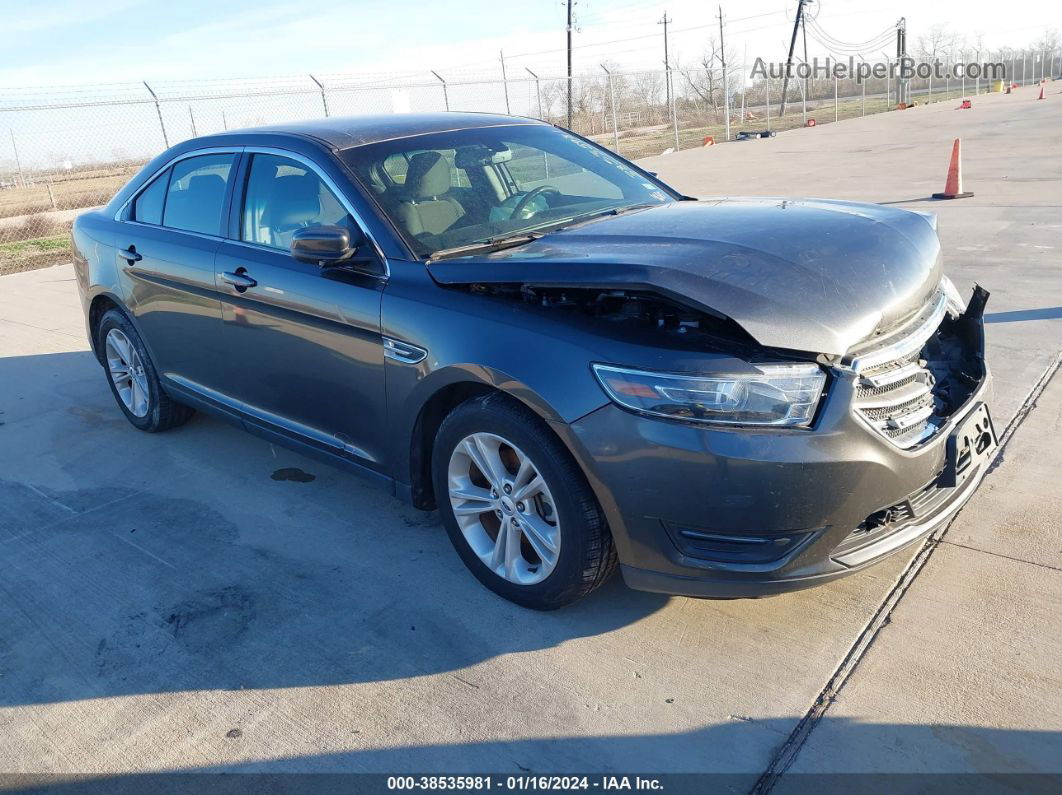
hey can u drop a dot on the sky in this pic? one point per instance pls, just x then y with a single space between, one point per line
64 42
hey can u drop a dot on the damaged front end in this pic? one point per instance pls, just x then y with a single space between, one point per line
912 382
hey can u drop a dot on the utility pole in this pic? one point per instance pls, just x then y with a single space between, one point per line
726 87
789 60
807 76
667 63
571 3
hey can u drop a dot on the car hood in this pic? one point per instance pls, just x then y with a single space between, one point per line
808 274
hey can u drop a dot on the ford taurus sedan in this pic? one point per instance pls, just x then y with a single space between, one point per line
576 364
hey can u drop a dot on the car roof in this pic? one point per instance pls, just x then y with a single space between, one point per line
345 132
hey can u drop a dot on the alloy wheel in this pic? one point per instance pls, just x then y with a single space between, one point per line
504 508
127 373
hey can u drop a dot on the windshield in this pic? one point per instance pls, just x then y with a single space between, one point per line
480 186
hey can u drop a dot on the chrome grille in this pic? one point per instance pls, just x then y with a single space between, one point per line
894 389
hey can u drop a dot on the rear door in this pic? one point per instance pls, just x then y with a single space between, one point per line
303 343
165 248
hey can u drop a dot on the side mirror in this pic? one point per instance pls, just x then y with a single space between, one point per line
322 245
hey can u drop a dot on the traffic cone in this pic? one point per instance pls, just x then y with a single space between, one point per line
953 187
1041 93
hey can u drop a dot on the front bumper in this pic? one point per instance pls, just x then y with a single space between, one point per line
742 513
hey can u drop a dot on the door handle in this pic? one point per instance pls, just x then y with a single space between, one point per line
130 254
240 280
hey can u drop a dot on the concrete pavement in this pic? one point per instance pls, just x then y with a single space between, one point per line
167 604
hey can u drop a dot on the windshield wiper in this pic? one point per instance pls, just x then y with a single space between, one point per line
500 242
490 244
582 219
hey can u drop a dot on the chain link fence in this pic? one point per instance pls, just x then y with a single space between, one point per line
63 151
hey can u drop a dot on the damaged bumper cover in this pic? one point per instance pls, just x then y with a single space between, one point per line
717 512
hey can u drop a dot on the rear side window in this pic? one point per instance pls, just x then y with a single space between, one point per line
196 193
147 209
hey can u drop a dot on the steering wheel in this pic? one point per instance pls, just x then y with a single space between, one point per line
531 196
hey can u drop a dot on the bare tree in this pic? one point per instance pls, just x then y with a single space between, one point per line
1049 40
706 79
937 42
647 89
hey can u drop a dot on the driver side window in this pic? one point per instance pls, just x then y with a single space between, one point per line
283 196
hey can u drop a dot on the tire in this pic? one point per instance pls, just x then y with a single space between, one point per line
139 395
564 549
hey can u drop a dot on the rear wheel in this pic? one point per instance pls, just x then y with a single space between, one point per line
132 377
517 507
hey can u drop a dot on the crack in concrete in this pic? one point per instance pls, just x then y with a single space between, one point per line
787 753
999 555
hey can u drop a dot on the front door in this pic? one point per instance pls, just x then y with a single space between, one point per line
303 343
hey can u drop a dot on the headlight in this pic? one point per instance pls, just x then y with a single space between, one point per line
956 306
781 395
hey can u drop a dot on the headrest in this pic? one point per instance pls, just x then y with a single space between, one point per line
294 199
428 175
206 184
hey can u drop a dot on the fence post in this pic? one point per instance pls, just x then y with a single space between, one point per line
324 99
446 94
1023 68
674 107
726 102
18 162
191 116
51 195
888 83
962 55
158 110
804 101
612 103
505 82
835 108
768 103
538 93
863 101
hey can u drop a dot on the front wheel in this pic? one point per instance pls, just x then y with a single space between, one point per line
517 507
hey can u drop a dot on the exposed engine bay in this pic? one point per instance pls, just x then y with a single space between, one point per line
636 310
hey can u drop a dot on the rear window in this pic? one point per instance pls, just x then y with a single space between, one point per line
196 193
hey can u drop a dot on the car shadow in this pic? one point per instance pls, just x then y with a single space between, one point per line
205 558
840 755
1045 313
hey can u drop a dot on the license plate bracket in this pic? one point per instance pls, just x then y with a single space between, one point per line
970 445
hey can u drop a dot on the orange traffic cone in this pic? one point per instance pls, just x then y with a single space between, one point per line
953 187
1041 93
